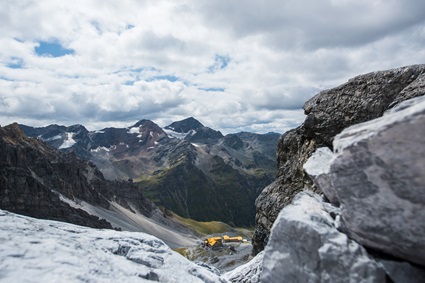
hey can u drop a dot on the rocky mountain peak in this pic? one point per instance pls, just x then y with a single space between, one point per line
184 126
77 129
145 123
13 132
147 128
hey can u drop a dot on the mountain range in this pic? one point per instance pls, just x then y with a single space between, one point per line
347 204
187 168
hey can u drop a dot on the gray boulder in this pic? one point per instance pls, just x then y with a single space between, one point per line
305 246
318 167
378 176
361 99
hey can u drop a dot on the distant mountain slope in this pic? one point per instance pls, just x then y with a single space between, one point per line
39 181
188 168
34 177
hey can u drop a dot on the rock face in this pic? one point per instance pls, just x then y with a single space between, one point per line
305 246
376 233
360 99
378 177
48 251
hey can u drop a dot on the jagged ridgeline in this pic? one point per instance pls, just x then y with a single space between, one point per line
186 167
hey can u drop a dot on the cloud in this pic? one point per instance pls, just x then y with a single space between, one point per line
234 65
314 24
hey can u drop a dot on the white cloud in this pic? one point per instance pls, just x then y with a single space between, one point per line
157 59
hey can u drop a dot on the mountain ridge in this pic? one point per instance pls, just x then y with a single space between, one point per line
169 166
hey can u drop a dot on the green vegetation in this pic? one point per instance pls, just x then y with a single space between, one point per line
204 228
224 194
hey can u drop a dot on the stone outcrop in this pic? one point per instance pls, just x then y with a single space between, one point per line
361 99
305 246
34 250
378 177
374 230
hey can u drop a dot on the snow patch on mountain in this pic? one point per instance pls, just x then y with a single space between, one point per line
100 148
57 137
134 130
173 134
68 142
34 250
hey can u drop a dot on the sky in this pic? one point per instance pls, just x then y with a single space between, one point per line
233 65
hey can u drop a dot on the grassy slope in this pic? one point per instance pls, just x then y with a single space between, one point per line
203 228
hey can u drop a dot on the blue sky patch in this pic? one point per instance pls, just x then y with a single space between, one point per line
15 63
52 49
217 89
220 62
170 78
129 82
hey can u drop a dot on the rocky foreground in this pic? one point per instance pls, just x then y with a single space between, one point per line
34 250
361 99
366 225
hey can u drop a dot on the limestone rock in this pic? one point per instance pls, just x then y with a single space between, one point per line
305 246
250 272
361 99
34 250
318 168
378 176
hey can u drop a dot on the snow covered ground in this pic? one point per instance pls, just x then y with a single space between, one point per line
34 250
